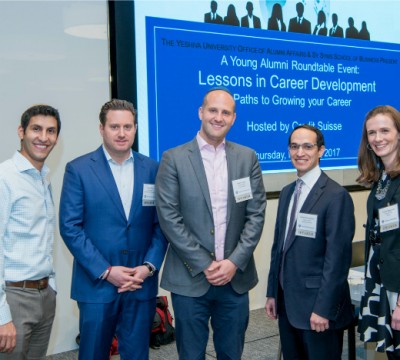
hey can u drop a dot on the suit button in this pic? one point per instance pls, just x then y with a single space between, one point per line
212 231
124 252
128 227
212 254
381 261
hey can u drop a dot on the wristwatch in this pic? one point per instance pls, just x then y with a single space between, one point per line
150 267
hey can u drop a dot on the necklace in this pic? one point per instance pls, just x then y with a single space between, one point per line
382 189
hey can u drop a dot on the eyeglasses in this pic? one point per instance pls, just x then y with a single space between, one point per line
305 146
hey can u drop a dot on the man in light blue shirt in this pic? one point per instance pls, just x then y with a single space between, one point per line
27 226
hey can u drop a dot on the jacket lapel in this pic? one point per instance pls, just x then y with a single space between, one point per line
137 195
312 198
102 171
231 160
198 167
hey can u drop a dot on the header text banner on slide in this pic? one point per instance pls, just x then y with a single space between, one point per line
278 81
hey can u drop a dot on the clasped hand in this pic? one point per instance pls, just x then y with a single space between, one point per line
220 273
128 279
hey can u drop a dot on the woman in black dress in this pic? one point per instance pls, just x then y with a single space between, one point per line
379 164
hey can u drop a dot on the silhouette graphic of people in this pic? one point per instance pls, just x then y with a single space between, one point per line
231 18
299 24
212 16
250 20
351 31
364 33
320 28
335 30
275 22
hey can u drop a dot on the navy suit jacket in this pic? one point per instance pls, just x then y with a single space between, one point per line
316 269
95 229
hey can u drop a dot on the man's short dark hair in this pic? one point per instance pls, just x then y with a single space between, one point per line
41 109
320 136
116 104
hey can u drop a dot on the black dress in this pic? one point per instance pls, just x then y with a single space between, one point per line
375 313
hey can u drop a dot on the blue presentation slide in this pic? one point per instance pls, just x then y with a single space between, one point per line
279 81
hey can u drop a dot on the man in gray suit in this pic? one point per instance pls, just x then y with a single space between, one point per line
211 203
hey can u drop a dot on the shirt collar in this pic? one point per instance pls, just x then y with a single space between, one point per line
203 144
23 164
110 159
311 177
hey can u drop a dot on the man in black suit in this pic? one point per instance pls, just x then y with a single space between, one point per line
250 20
335 30
299 24
311 255
212 16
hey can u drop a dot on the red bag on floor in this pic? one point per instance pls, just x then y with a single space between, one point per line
114 347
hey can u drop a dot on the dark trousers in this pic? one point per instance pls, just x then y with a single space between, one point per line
131 320
229 314
298 344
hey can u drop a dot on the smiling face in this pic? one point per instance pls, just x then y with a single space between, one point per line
383 137
38 139
217 115
305 160
118 134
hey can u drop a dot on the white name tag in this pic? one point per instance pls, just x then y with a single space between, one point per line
149 195
306 225
389 218
242 189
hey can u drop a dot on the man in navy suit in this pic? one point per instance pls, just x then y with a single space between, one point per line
109 223
311 255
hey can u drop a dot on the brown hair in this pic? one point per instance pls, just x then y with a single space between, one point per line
116 104
369 164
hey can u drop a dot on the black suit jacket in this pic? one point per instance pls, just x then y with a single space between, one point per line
245 22
207 19
390 248
322 32
338 32
273 24
304 27
315 269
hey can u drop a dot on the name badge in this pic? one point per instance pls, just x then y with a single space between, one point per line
306 225
242 189
389 218
149 195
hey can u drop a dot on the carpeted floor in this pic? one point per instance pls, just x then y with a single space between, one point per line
262 343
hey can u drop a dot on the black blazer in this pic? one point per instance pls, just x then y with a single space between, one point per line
390 247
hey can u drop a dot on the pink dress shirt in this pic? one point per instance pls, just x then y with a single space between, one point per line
214 161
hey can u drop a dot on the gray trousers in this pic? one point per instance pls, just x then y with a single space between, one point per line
32 314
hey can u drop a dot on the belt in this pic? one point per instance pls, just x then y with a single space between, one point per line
30 284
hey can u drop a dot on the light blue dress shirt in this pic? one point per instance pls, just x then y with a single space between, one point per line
27 226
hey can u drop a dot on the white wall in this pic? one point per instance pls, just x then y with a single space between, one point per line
42 64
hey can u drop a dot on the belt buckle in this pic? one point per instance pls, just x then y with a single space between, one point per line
41 284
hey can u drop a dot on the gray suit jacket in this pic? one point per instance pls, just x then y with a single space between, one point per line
185 215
